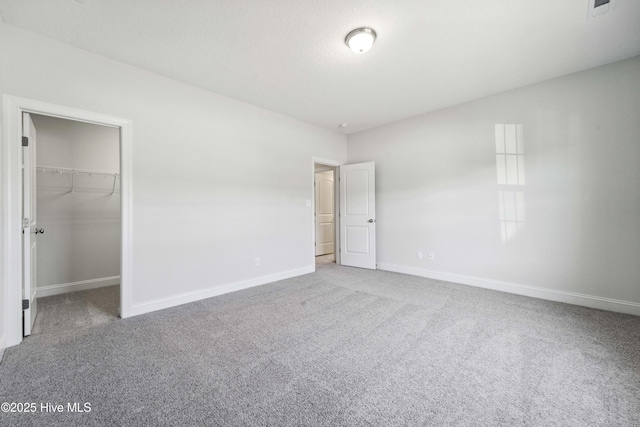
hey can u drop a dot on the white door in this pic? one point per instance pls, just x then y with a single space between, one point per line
29 230
358 215
325 230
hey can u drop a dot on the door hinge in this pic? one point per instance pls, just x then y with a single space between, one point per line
25 141
25 222
25 304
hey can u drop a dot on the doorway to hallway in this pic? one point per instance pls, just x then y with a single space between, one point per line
324 194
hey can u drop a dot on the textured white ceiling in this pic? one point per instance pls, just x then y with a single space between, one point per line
289 55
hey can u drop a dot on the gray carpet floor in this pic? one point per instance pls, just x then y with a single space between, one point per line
342 346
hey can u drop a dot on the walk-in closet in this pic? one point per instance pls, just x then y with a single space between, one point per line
79 223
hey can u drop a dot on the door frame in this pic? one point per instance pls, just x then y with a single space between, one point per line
324 170
11 286
336 206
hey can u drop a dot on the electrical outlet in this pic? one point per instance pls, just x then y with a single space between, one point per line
432 256
257 261
419 254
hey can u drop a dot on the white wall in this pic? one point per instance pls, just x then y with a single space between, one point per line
82 229
216 182
437 189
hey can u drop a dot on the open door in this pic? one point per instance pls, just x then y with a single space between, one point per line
324 213
358 215
29 230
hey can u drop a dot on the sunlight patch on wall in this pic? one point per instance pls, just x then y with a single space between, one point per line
512 213
510 170
510 154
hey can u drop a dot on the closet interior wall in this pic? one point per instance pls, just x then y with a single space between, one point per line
80 213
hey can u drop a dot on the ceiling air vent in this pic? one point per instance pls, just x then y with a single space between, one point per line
597 8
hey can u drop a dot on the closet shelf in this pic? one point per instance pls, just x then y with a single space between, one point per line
74 171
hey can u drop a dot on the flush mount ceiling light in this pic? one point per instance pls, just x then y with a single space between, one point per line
360 40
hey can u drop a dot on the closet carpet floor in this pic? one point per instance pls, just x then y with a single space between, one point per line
77 310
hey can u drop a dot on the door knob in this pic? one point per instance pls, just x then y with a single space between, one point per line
39 230
372 220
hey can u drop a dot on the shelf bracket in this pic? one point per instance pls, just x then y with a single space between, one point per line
115 178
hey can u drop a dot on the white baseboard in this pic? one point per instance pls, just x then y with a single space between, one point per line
592 301
162 303
63 288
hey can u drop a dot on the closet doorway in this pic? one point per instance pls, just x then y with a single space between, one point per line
325 214
78 209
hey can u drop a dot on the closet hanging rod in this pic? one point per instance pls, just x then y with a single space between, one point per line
74 171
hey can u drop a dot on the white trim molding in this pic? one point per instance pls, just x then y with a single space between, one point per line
172 301
11 279
574 298
82 285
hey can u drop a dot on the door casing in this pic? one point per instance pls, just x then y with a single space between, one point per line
11 280
321 217
336 194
